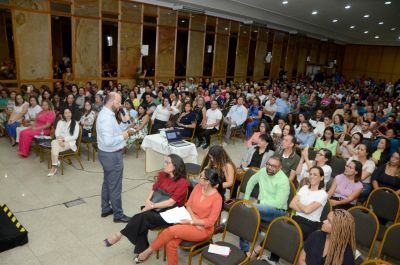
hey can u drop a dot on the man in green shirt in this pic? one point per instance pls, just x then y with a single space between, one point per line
274 192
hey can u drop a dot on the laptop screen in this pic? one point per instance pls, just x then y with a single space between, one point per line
173 135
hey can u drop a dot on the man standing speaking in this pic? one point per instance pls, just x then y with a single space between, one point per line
111 138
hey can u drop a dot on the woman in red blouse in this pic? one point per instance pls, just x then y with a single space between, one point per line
171 180
204 206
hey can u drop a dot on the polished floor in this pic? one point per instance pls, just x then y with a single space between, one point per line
59 235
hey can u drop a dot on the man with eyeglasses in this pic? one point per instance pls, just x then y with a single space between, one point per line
273 194
290 159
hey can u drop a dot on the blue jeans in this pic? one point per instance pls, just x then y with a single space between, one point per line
249 127
12 129
366 190
267 214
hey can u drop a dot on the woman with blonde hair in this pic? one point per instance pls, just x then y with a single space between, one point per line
334 244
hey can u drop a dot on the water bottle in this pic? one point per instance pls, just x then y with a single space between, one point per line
41 134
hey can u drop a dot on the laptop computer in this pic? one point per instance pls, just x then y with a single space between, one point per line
174 138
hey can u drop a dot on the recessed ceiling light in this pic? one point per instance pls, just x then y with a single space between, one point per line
376 37
388 3
347 6
352 27
366 32
380 23
285 2
314 12
335 20
366 15
393 29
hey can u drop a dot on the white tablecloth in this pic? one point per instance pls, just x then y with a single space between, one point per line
156 147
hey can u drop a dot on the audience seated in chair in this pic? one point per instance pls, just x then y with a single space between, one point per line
140 126
187 121
388 175
255 137
305 137
290 159
346 187
29 117
161 115
255 116
16 117
346 149
43 123
204 206
235 118
171 180
67 132
210 125
87 119
327 141
258 155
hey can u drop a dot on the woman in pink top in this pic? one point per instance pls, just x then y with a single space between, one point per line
254 138
204 206
346 187
44 120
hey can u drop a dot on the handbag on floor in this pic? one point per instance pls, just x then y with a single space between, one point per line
12 233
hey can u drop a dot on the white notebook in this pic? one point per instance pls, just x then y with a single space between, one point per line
175 215
219 250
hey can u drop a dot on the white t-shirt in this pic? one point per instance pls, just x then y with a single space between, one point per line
161 113
305 173
276 130
32 112
368 166
212 117
272 108
307 197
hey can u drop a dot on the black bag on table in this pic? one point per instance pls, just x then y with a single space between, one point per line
12 233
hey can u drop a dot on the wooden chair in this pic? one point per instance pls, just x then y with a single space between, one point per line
220 133
69 153
238 132
89 141
192 137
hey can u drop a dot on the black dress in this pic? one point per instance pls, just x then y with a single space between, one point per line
188 119
314 248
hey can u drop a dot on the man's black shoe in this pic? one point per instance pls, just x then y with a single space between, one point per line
123 219
110 212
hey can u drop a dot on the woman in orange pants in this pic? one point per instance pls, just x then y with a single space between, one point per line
204 206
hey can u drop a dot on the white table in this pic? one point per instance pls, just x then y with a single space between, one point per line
157 147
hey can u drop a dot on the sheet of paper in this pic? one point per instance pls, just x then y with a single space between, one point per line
175 215
219 250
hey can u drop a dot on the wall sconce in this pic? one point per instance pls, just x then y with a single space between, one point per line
308 59
209 49
268 58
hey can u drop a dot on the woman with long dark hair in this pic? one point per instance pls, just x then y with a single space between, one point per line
204 206
172 181
327 141
67 132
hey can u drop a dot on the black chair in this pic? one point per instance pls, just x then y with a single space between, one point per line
337 164
390 246
90 141
242 188
326 210
243 221
385 203
193 169
367 226
375 261
281 231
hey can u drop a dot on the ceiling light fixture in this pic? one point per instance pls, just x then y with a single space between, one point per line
388 3
393 29
380 23
376 37
314 12
366 32
347 6
335 20
285 2
366 15
352 27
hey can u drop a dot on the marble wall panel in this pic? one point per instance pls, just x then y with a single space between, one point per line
129 53
242 53
223 26
291 55
33 46
167 17
110 6
33 4
194 67
276 54
88 8
197 22
131 11
220 55
87 48
259 62
165 59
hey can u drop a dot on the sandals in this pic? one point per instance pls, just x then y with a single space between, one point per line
138 260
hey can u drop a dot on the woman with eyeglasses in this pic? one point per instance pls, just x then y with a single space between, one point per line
346 187
254 138
321 160
327 141
368 167
204 206
334 244
172 180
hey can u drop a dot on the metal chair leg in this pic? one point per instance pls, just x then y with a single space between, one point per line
79 160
